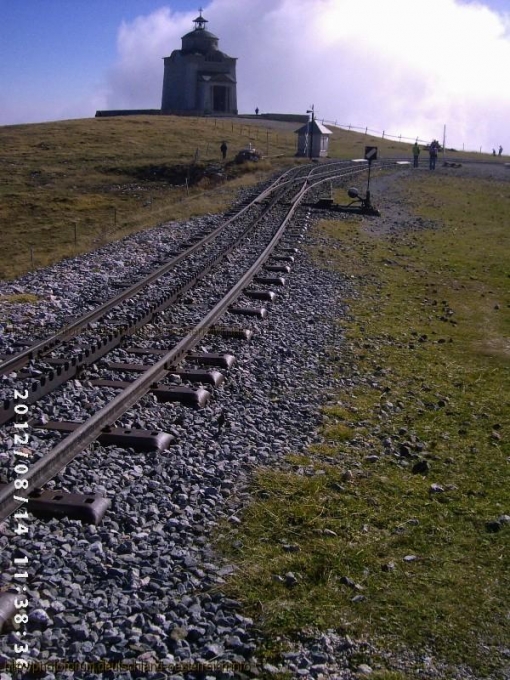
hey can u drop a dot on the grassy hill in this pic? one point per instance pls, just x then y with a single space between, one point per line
69 186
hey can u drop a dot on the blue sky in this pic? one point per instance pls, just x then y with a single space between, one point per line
56 52
404 66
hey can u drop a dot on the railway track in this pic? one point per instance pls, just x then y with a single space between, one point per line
272 236
61 369
88 351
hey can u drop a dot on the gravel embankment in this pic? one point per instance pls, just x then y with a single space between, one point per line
137 587
141 588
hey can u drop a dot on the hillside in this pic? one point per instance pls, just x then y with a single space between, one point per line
67 187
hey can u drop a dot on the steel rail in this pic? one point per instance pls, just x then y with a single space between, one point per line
313 169
41 347
50 464
61 455
88 355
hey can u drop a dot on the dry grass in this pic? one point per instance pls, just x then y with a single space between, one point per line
70 186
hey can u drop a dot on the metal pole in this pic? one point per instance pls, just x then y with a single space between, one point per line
310 151
367 199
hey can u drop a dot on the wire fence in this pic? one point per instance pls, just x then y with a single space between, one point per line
375 133
386 135
256 132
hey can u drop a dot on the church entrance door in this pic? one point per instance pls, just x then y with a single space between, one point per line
220 98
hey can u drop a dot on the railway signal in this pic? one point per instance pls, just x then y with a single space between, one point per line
370 155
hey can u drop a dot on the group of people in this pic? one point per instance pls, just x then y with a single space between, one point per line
434 147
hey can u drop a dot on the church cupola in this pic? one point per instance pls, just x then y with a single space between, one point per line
200 22
199 40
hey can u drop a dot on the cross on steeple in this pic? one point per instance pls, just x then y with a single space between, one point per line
200 22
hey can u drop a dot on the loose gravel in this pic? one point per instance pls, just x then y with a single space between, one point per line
138 588
142 588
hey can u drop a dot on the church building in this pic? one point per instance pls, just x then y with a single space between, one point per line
199 79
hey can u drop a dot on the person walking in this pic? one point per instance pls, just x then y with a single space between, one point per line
224 149
500 150
416 154
433 147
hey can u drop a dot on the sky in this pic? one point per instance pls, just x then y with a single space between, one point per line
408 67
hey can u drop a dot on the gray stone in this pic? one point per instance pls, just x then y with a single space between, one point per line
40 616
364 669
436 488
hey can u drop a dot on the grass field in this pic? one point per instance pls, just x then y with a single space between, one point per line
70 186
400 539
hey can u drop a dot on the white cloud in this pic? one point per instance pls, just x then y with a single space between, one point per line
136 80
403 66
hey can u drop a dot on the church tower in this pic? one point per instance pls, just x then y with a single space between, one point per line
199 79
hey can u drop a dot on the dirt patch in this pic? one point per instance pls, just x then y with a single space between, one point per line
174 175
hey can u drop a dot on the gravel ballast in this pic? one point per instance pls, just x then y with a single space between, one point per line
142 587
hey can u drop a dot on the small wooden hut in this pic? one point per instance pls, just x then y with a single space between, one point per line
313 135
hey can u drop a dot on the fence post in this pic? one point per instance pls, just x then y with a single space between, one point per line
31 256
267 142
76 233
382 135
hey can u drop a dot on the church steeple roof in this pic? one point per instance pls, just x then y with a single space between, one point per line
199 40
200 22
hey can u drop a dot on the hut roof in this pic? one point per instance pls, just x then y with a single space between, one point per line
317 128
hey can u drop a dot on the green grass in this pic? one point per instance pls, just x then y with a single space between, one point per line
17 298
70 186
428 324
